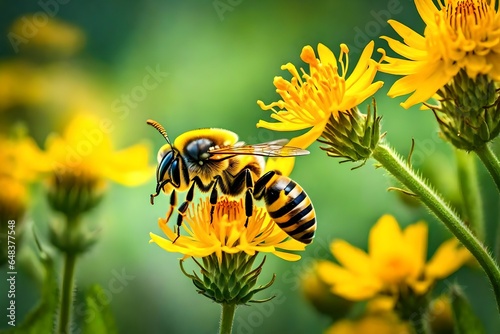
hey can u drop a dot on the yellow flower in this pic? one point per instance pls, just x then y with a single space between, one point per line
52 36
459 35
83 160
21 162
85 151
227 248
227 233
309 100
13 199
394 265
21 159
371 323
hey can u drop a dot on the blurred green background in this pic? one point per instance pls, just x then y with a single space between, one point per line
215 59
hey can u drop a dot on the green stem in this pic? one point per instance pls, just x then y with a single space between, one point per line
69 235
227 318
491 162
418 322
67 294
497 242
410 179
471 195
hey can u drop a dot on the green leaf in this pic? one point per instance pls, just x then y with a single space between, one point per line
464 318
100 318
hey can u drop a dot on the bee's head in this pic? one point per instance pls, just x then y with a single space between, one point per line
195 145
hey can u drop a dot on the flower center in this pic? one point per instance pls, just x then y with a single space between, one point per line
466 16
325 86
394 270
229 208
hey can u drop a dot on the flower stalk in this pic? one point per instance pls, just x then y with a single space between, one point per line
227 318
490 161
410 179
418 322
67 294
64 325
471 196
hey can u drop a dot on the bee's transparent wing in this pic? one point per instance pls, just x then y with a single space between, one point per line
276 148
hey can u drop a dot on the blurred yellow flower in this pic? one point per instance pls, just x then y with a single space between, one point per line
395 263
21 159
85 151
227 233
53 36
318 294
441 315
371 323
21 162
459 35
21 84
83 160
310 99
13 200
13 203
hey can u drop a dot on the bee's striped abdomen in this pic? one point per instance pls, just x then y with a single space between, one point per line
290 207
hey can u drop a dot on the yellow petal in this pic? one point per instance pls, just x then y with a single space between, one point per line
287 256
427 11
130 166
305 140
415 238
85 135
358 288
410 37
326 55
285 165
332 273
279 126
405 50
385 237
450 256
360 69
346 283
352 258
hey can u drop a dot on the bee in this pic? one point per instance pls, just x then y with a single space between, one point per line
213 159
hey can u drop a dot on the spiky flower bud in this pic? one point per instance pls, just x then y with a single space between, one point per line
232 281
469 111
353 135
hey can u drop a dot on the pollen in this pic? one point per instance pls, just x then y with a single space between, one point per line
466 14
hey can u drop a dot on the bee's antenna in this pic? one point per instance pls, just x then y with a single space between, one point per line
160 129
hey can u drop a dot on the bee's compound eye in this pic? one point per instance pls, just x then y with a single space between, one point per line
163 151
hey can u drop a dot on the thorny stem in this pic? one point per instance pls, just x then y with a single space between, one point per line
410 179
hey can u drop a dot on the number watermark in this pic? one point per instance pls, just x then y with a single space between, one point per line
11 273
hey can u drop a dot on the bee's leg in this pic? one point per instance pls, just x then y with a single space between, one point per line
244 177
214 196
260 184
183 208
173 203
159 187
248 195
